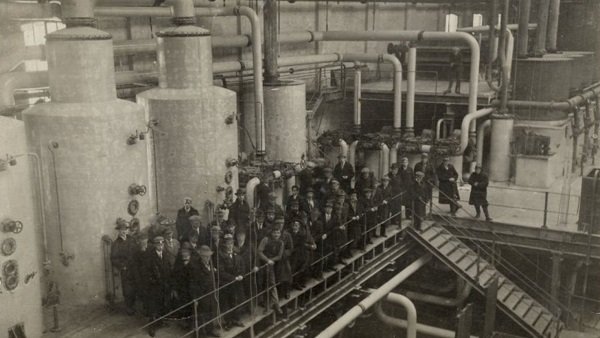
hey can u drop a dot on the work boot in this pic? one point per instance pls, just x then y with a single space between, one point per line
486 212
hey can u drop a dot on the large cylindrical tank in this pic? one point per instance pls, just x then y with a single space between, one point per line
20 296
285 121
82 138
196 122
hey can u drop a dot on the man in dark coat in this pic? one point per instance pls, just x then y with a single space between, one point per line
301 254
323 185
202 287
231 270
367 209
327 222
447 177
383 197
200 229
366 179
407 176
181 282
420 197
239 212
182 223
426 168
344 173
455 71
396 200
479 182
354 226
306 177
157 271
263 189
122 254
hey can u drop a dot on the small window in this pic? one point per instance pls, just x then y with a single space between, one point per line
17 331
451 22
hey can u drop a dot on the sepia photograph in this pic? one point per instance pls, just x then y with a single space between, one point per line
300 168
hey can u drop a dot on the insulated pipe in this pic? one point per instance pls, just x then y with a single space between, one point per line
540 41
438 127
523 38
343 148
486 28
567 105
503 57
373 298
493 47
394 153
357 103
29 10
442 301
553 26
409 130
409 307
468 123
421 328
10 82
480 139
384 163
414 36
250 187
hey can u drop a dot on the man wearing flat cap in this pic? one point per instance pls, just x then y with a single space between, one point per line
202 287
157 272
198 228
239 212
306 177
231 269
182 222
344 173
123 251
478 198
396 200
367 209
172 245
407 177
426 168
366 179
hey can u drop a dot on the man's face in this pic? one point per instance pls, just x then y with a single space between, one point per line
296 226
368 194
328 174
123 232
143 244
185 257
295 191
335 186
342 159
276 234
365 174
260 219
241 239
229 246
159 246
194 239
385 183
310 195
405 163
241 197
270 216
478 170
187 203
205 259
328 210
394 171
425 159
354 197
195 224
168 236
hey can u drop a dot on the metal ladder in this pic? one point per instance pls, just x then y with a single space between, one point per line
512 300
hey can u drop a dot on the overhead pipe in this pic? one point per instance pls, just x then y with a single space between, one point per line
523 38
250 188
567 105
29 10
468 125
480 139
409 130
271 37
486 28
421 328
414 36
493 47
373 298
384 160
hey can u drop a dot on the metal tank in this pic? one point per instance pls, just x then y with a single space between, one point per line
20 268
92 149
285 121
196 124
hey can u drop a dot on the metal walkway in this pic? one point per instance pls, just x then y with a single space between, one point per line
512 300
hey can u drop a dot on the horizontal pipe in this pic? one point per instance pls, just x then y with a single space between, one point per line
486 29
373 298
566 105
10 82
29 10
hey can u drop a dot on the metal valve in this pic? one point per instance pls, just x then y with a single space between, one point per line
8 225
133 138
135 189
231 162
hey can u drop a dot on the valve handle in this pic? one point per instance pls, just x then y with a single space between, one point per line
18 227
142 190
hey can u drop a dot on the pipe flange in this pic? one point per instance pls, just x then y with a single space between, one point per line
133 207
184 20
11 282
183 31
10 268
8 247
78 33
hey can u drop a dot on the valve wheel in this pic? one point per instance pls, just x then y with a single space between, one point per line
10 268
133 207
142 190
11 282
9 246
18 227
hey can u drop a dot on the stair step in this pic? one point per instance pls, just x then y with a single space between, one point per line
434 236
528 306
447 250
518 301
429 232
513 300
542 324
533 315
464 255
505 292
439 241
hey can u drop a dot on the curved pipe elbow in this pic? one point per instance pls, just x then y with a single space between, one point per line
466 125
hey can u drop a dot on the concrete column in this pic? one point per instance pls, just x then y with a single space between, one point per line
271 23
523 38
502 129
552 34
542 21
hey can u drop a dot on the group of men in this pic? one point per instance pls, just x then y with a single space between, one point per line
267 249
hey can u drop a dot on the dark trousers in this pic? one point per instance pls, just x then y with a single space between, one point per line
454 77
485 210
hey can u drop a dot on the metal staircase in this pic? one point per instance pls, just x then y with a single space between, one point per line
512 300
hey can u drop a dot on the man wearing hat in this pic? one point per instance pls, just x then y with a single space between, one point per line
343 172
383 196
306 177
326 222
272 204
407 176
478 198
323 183
182 222
231 270
352 216
283 269
198 228
365 180
420 198
426 168
202 287
181 281
293 198
123 250
293 212
171 245
396 200
270 253
367 209
448 177
157 273
263 190
239 211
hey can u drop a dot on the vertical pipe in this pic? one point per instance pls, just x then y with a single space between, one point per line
540 41
523 38
545 224
271 24
410 94
493 13
480 139
503 50
500 148
553 26
357 103
411 312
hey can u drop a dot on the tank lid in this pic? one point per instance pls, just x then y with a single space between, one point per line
182 31
79 33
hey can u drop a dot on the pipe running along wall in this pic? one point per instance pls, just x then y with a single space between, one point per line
257 57
373 298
